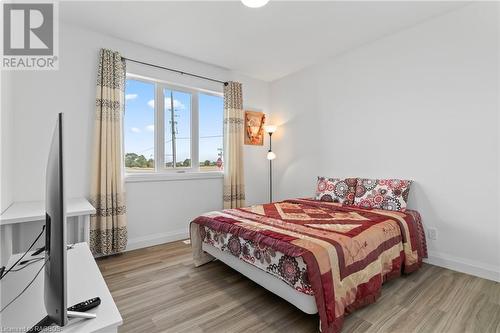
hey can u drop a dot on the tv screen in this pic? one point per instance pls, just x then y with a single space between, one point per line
55 231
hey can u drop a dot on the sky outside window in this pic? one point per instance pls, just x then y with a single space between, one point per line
210 130
139 136
139 128
178 127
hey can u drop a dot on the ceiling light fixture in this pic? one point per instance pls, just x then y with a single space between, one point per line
254 3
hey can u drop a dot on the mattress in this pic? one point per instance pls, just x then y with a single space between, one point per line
290 270
338 255
302 301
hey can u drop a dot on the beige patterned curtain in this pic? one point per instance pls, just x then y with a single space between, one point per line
108 227
234 182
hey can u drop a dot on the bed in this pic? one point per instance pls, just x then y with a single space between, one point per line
322 257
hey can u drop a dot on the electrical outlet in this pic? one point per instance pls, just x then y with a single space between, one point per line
432 233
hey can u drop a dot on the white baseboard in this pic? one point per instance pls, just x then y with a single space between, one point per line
485 271
156 239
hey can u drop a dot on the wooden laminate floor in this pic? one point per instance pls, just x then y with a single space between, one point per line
157 289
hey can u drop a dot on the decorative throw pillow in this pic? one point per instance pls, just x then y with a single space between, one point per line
388 194
336 190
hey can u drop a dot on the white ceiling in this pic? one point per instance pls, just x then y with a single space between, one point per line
266 43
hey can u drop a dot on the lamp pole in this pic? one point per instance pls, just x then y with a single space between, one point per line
270 169
270 156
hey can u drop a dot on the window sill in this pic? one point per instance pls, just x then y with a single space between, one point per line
172 176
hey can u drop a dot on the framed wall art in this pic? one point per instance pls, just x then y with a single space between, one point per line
254 128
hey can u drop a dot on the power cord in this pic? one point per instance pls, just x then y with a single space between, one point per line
26 264
25 288
29 249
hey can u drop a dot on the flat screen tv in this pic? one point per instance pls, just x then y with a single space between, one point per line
55 231
55 283
55 235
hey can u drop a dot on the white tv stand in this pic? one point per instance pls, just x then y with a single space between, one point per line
84 281
22 212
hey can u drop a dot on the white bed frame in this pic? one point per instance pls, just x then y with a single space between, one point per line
303 302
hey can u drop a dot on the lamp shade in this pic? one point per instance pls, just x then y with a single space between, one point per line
254 3
270 128
271 155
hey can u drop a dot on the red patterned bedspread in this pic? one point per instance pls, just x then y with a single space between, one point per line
349 252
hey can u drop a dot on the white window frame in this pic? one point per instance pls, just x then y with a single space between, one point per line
161 172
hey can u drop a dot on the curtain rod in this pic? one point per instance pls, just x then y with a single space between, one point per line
175 70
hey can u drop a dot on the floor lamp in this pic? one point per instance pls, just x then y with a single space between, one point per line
270 129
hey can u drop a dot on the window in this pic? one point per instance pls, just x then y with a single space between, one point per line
139 128
177 114
171 128
211 114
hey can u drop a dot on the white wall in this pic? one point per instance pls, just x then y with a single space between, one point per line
6 123
157 211
6 154
421 104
